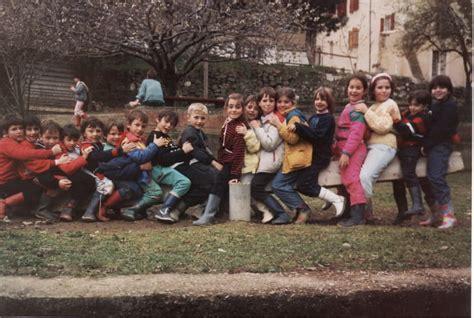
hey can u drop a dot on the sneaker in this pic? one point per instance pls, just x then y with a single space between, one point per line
449 221
281 218
163 214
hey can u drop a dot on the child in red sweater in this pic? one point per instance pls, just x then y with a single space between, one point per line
13 190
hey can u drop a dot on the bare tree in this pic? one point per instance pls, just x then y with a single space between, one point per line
173 36
443 25
22 56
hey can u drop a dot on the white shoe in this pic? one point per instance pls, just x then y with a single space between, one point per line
338 201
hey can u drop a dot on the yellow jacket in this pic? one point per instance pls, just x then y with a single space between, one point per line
298 152
252 149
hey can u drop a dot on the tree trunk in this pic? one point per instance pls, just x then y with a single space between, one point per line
310 45
414 65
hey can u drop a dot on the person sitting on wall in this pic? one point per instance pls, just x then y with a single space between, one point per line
150 92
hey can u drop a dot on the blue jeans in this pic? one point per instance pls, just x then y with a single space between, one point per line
378 158
283 187
436 170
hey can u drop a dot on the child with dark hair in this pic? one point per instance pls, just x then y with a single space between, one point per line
297 155
320 133
137 121
122 170
438 145
411 129
92 130
32 129
13 190
230 154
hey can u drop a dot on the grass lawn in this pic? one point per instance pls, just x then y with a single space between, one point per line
143 247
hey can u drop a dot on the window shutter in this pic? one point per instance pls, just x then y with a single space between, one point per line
381 25
392 21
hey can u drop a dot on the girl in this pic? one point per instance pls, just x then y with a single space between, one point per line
382 143
297 154
320 133
230 154
270 156
438 145
351 148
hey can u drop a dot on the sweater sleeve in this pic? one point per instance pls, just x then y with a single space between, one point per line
252 144
141 156
199 152
73 166
356 133
290 137
238 150
269 139
320 131
379 123
100 155
22 153
142 91
39 165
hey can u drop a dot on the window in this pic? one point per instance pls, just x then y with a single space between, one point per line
341 9
353 38
353 5
438 64
387 23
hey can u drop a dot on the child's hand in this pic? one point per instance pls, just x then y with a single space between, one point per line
160 142
87 151
187 147
242 130
217 165
62 160
65 184
147 166
275 121
255 123
56 149
129 146
343 161
291 128
233 181
72 88
361 108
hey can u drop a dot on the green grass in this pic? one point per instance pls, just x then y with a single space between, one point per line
235 247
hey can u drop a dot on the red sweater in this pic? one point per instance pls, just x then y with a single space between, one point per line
12 152
72 166
232 147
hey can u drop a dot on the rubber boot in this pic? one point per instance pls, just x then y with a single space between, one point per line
401 217
338 201
449 220
357 216
261 207
12 200
417 204
77 119
281 217
43 212
434 218
138 210
163 214
89 214
112 200
66 213
180 210
303 213
368 212
326 205
210 211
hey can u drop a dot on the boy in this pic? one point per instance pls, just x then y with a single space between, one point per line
411 129
13 190
92 131
137 121
178 157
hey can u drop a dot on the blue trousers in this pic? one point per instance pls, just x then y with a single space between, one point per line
436 170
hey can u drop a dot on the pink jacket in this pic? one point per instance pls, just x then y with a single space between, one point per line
350 130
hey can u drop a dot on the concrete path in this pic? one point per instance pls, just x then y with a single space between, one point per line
439 292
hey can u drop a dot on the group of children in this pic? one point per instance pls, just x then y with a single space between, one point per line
264 140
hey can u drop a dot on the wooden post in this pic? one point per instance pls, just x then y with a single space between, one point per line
205 80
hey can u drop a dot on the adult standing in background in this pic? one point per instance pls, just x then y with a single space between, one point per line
81 95
150 92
